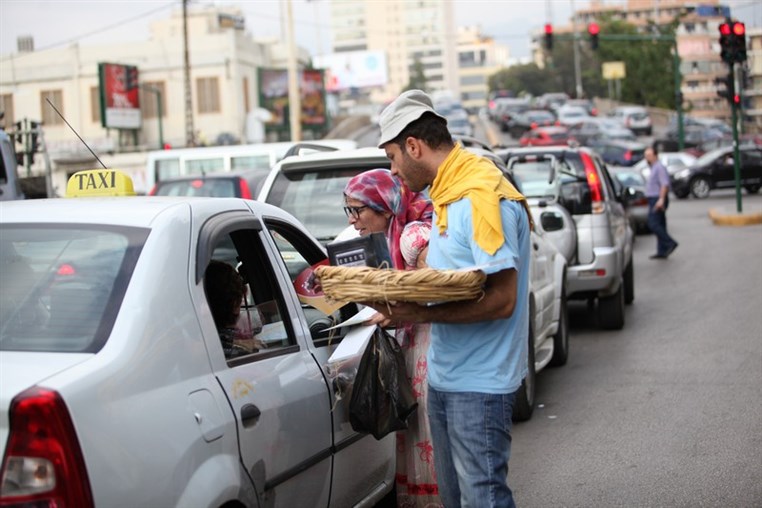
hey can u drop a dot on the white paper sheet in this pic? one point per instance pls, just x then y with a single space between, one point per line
353 344
364 314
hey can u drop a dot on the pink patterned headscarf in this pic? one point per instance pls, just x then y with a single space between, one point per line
384 192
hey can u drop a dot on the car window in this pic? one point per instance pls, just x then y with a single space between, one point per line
62 285
533 177
298 253
315 198
260 328
217 187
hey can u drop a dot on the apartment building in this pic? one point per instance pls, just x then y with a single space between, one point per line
224 63
408 32
479 57
753 91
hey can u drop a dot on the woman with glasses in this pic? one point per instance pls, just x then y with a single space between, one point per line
376 202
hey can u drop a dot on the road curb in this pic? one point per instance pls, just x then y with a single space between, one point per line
727 217
492 138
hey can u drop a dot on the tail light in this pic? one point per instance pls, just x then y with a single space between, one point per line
628 155
533 125
558 123
152 192
594 182
244 188
43 464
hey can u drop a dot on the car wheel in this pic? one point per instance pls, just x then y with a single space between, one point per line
523 406
629 283
682 194
561 338
700 187
611 310
752 188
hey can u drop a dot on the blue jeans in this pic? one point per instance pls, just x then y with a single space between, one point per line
471 434
657 223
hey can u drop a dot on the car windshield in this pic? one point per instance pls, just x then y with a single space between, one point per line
709 157
217 188
533 176
315 197
62 285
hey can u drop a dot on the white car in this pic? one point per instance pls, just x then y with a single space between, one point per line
673 161
571 115
311 188
635 118
115 389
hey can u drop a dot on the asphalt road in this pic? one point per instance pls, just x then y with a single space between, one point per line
666 412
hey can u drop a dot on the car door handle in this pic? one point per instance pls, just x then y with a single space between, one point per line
250 414
536 247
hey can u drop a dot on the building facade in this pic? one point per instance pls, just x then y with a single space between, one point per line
408 32
224 64
479 57
752 92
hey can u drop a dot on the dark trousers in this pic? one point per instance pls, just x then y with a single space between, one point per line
657 223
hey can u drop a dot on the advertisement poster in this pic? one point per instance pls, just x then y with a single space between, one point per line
273 96
120 100
353 69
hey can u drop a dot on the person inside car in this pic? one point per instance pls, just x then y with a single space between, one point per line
224 290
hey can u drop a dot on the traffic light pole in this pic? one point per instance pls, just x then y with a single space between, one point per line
736 151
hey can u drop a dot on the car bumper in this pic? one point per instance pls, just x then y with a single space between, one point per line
599 278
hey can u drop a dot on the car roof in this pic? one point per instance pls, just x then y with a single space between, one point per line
133 211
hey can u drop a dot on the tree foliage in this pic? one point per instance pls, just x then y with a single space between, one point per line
417 77
649 66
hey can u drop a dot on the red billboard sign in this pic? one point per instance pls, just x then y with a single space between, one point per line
120 100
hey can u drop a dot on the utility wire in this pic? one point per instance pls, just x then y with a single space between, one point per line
95 32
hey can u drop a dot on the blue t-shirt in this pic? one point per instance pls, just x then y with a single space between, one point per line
487 356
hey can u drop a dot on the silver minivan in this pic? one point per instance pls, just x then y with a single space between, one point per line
600 265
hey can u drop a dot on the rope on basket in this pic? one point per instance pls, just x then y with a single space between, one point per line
366 284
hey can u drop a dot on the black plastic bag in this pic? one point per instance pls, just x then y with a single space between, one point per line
382 396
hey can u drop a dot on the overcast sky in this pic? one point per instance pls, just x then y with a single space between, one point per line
58 23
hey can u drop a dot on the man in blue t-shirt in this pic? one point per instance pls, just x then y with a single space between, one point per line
478 353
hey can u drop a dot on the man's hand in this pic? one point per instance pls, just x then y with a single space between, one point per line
398 312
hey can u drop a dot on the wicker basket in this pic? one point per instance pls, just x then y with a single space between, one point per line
365 284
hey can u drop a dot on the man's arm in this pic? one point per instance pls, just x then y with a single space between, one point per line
498 302
663 189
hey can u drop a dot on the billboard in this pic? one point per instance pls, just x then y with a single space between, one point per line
353 69
273 96
120 100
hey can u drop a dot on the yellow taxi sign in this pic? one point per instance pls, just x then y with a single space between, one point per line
99 183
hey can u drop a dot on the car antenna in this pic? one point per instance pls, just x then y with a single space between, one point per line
75 132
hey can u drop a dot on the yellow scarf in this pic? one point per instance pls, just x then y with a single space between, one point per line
464 174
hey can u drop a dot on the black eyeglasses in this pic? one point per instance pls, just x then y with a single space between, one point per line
354 211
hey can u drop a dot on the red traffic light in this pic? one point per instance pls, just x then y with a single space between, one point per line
548 28
724 29
736 99
739 29
593 29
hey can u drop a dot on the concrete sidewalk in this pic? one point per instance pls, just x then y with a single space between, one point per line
728 215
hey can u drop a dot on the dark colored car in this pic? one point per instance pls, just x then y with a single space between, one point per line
528 120
237 184
619 152
546 136
634 193
716 170
507 108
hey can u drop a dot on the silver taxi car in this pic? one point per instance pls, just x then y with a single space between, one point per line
115 388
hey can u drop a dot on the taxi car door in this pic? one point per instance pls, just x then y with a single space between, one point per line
362 464
276 390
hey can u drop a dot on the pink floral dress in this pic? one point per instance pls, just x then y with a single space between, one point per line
416 479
